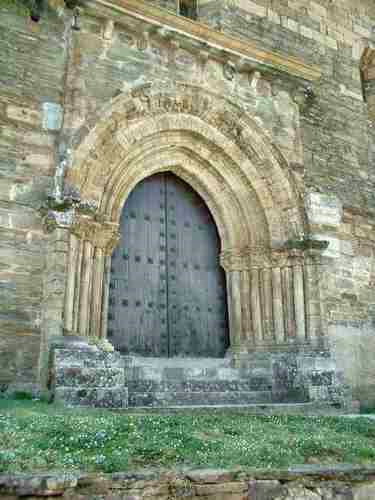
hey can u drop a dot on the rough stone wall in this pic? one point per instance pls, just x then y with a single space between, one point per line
338 144
45 66
303 484
32 63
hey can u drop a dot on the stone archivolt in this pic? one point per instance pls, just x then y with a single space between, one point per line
367 67
273 293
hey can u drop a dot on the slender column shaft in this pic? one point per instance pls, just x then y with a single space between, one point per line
248 335
266 281
97 293
288 303
105 304
85 288
299 303
77 286
234 301
313 304
277 298
256 306
70 285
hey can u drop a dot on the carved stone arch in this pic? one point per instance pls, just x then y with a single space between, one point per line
239 217
232 230
367 68
233 134
224 155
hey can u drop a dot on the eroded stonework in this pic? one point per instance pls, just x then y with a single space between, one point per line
275 137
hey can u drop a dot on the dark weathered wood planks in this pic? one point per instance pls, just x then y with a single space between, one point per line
167 295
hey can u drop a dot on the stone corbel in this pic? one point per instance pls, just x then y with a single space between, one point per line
304 96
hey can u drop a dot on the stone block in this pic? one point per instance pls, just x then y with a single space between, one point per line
52 116
84 375
215 489
73 376
266 489
24 114
114 397
324 209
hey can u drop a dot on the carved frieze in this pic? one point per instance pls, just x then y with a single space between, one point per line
265 258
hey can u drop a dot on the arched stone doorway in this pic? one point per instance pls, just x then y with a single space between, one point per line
167 292
273 287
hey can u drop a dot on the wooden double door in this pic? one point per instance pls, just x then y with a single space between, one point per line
167 289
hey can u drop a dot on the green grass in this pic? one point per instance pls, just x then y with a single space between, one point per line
37 437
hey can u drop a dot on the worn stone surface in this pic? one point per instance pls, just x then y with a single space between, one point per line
84 375
284 158
332 484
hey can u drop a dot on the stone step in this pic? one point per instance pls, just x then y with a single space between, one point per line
139 386
314 408
81 376
170 399
98 397
158 369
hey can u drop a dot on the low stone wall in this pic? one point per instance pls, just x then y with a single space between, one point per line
304 483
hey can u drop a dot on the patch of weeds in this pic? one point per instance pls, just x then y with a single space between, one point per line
35 436
22 396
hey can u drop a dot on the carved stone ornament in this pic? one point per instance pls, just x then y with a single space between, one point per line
234 259
229 71
142 43
54 219
103 235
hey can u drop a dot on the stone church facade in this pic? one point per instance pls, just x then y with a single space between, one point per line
258 117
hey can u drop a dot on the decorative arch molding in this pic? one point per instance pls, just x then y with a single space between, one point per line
367 68
206 123
213 145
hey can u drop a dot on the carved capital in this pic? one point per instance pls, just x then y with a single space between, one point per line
240 259
104 235
107 237
234 259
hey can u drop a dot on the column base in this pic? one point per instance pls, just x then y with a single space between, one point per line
86 374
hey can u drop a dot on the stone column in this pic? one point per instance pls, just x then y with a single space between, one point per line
235 312
97 293
288 302
105 303
235 264
70 291
299 302
256 310
247 330
85 288
266 286
278 313
95 240
77 285
105 239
